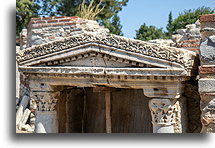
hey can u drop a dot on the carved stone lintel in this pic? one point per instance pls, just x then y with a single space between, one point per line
208 113
168 90
165 113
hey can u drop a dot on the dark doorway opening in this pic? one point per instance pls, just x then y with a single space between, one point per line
86 110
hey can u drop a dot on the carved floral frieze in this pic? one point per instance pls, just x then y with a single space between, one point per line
86 39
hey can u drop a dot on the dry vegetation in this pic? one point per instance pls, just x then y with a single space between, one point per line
90 12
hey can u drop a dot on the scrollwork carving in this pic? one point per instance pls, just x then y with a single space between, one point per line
162 52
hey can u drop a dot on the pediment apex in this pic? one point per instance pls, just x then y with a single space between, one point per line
157 52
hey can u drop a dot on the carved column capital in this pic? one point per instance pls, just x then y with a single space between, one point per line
43 101
163 111
164 114
46 101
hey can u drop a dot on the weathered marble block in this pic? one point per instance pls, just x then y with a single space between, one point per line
206 85
48 119
207 50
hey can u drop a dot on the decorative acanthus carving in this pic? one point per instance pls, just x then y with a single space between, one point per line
171 54
46 101
164 111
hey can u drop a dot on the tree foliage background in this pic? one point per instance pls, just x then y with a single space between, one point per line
113 25
70 7
186 17
189 17
26 9
149 33
169 26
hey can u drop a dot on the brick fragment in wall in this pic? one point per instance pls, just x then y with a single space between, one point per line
54 21
207 69
207 18
207 25
54 17
191 41
190 45
52 25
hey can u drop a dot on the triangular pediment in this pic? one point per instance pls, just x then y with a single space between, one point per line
96 59
84 49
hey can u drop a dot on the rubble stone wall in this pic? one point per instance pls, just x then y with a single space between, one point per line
207 73
46 29
188 38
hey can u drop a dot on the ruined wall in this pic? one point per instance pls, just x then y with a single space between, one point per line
207 73
46 29
188 37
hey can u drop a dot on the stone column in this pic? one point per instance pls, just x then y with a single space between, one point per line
46 115
207 73
165 106
164 114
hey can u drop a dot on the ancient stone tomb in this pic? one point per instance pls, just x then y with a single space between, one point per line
87 80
